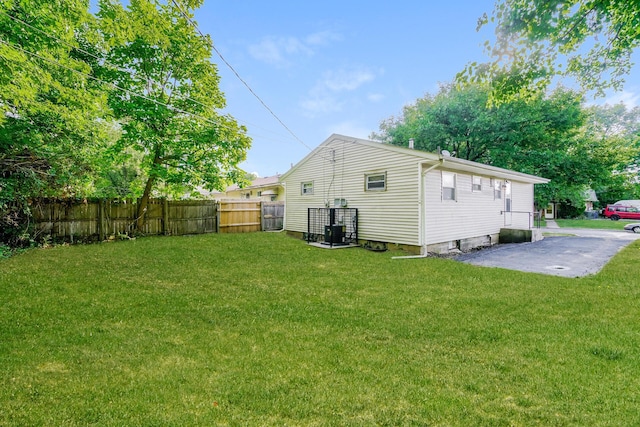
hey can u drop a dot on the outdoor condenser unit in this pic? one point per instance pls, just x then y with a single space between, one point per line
334 234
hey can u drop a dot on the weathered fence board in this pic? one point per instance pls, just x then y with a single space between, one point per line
272 216
70 219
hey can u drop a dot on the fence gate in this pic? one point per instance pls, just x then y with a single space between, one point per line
272 216
239 216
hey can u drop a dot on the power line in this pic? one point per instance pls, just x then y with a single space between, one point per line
113 85
100 59
107 63
195 26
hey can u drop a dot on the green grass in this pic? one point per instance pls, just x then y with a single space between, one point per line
263 330
602 223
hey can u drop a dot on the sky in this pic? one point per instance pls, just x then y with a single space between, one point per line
338 66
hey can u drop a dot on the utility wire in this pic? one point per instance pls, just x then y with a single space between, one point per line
107 63
113 66
128 91
195 26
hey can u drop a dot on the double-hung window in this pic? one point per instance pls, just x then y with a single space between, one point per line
497 189
448 186
476 184
306 187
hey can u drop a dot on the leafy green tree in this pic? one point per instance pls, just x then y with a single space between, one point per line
618 131
49 107
550 137
537 40
166 96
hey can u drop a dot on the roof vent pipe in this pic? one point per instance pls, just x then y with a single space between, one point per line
411 143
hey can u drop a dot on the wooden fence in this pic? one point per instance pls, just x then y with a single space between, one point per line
272 216
239 216
70 220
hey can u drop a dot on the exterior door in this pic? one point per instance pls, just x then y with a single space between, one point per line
508 211
550 212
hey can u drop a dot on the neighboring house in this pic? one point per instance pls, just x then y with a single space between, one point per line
590 197
421 201
266 189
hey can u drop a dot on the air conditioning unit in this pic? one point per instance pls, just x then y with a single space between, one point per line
334 234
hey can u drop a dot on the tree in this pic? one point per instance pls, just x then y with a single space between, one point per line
618 129
166 96
52 114
537 40
554 137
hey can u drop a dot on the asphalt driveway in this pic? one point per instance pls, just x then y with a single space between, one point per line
574 253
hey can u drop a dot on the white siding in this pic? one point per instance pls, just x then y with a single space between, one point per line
338 171
401 214
473 213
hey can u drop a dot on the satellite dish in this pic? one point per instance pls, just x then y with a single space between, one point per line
446 153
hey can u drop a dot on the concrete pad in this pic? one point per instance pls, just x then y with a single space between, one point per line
578 255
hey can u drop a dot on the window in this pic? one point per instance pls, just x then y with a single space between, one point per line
497 189
448 186
476 183
376 182
307 187
507 196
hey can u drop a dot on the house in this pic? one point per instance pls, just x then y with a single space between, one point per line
423 202
589 197
267 189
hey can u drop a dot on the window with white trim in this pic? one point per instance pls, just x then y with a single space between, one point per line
375 181
497 189
448 186
306 187
476 184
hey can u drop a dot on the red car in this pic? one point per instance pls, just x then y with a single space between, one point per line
616 212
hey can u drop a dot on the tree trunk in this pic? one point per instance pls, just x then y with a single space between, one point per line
144 203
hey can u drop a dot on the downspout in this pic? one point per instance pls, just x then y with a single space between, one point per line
284 215
422 208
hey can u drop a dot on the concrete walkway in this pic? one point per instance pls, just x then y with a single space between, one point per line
552 224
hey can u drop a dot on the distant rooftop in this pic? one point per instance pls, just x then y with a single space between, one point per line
258 182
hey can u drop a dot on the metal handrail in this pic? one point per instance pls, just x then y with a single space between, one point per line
534 217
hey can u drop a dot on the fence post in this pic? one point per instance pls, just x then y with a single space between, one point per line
165 216
218 217
101 231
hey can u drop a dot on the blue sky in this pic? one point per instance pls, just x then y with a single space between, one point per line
338 66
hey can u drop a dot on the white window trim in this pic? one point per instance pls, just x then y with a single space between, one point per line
455 189
369 175
473 184
310 186
497 189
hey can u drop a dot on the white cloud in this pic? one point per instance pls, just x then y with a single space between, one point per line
321 103
346 80
276 51
280 51
327 96
322 38
375 97
350 128
629 99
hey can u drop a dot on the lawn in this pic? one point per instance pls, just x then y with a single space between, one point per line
263 330
602 223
